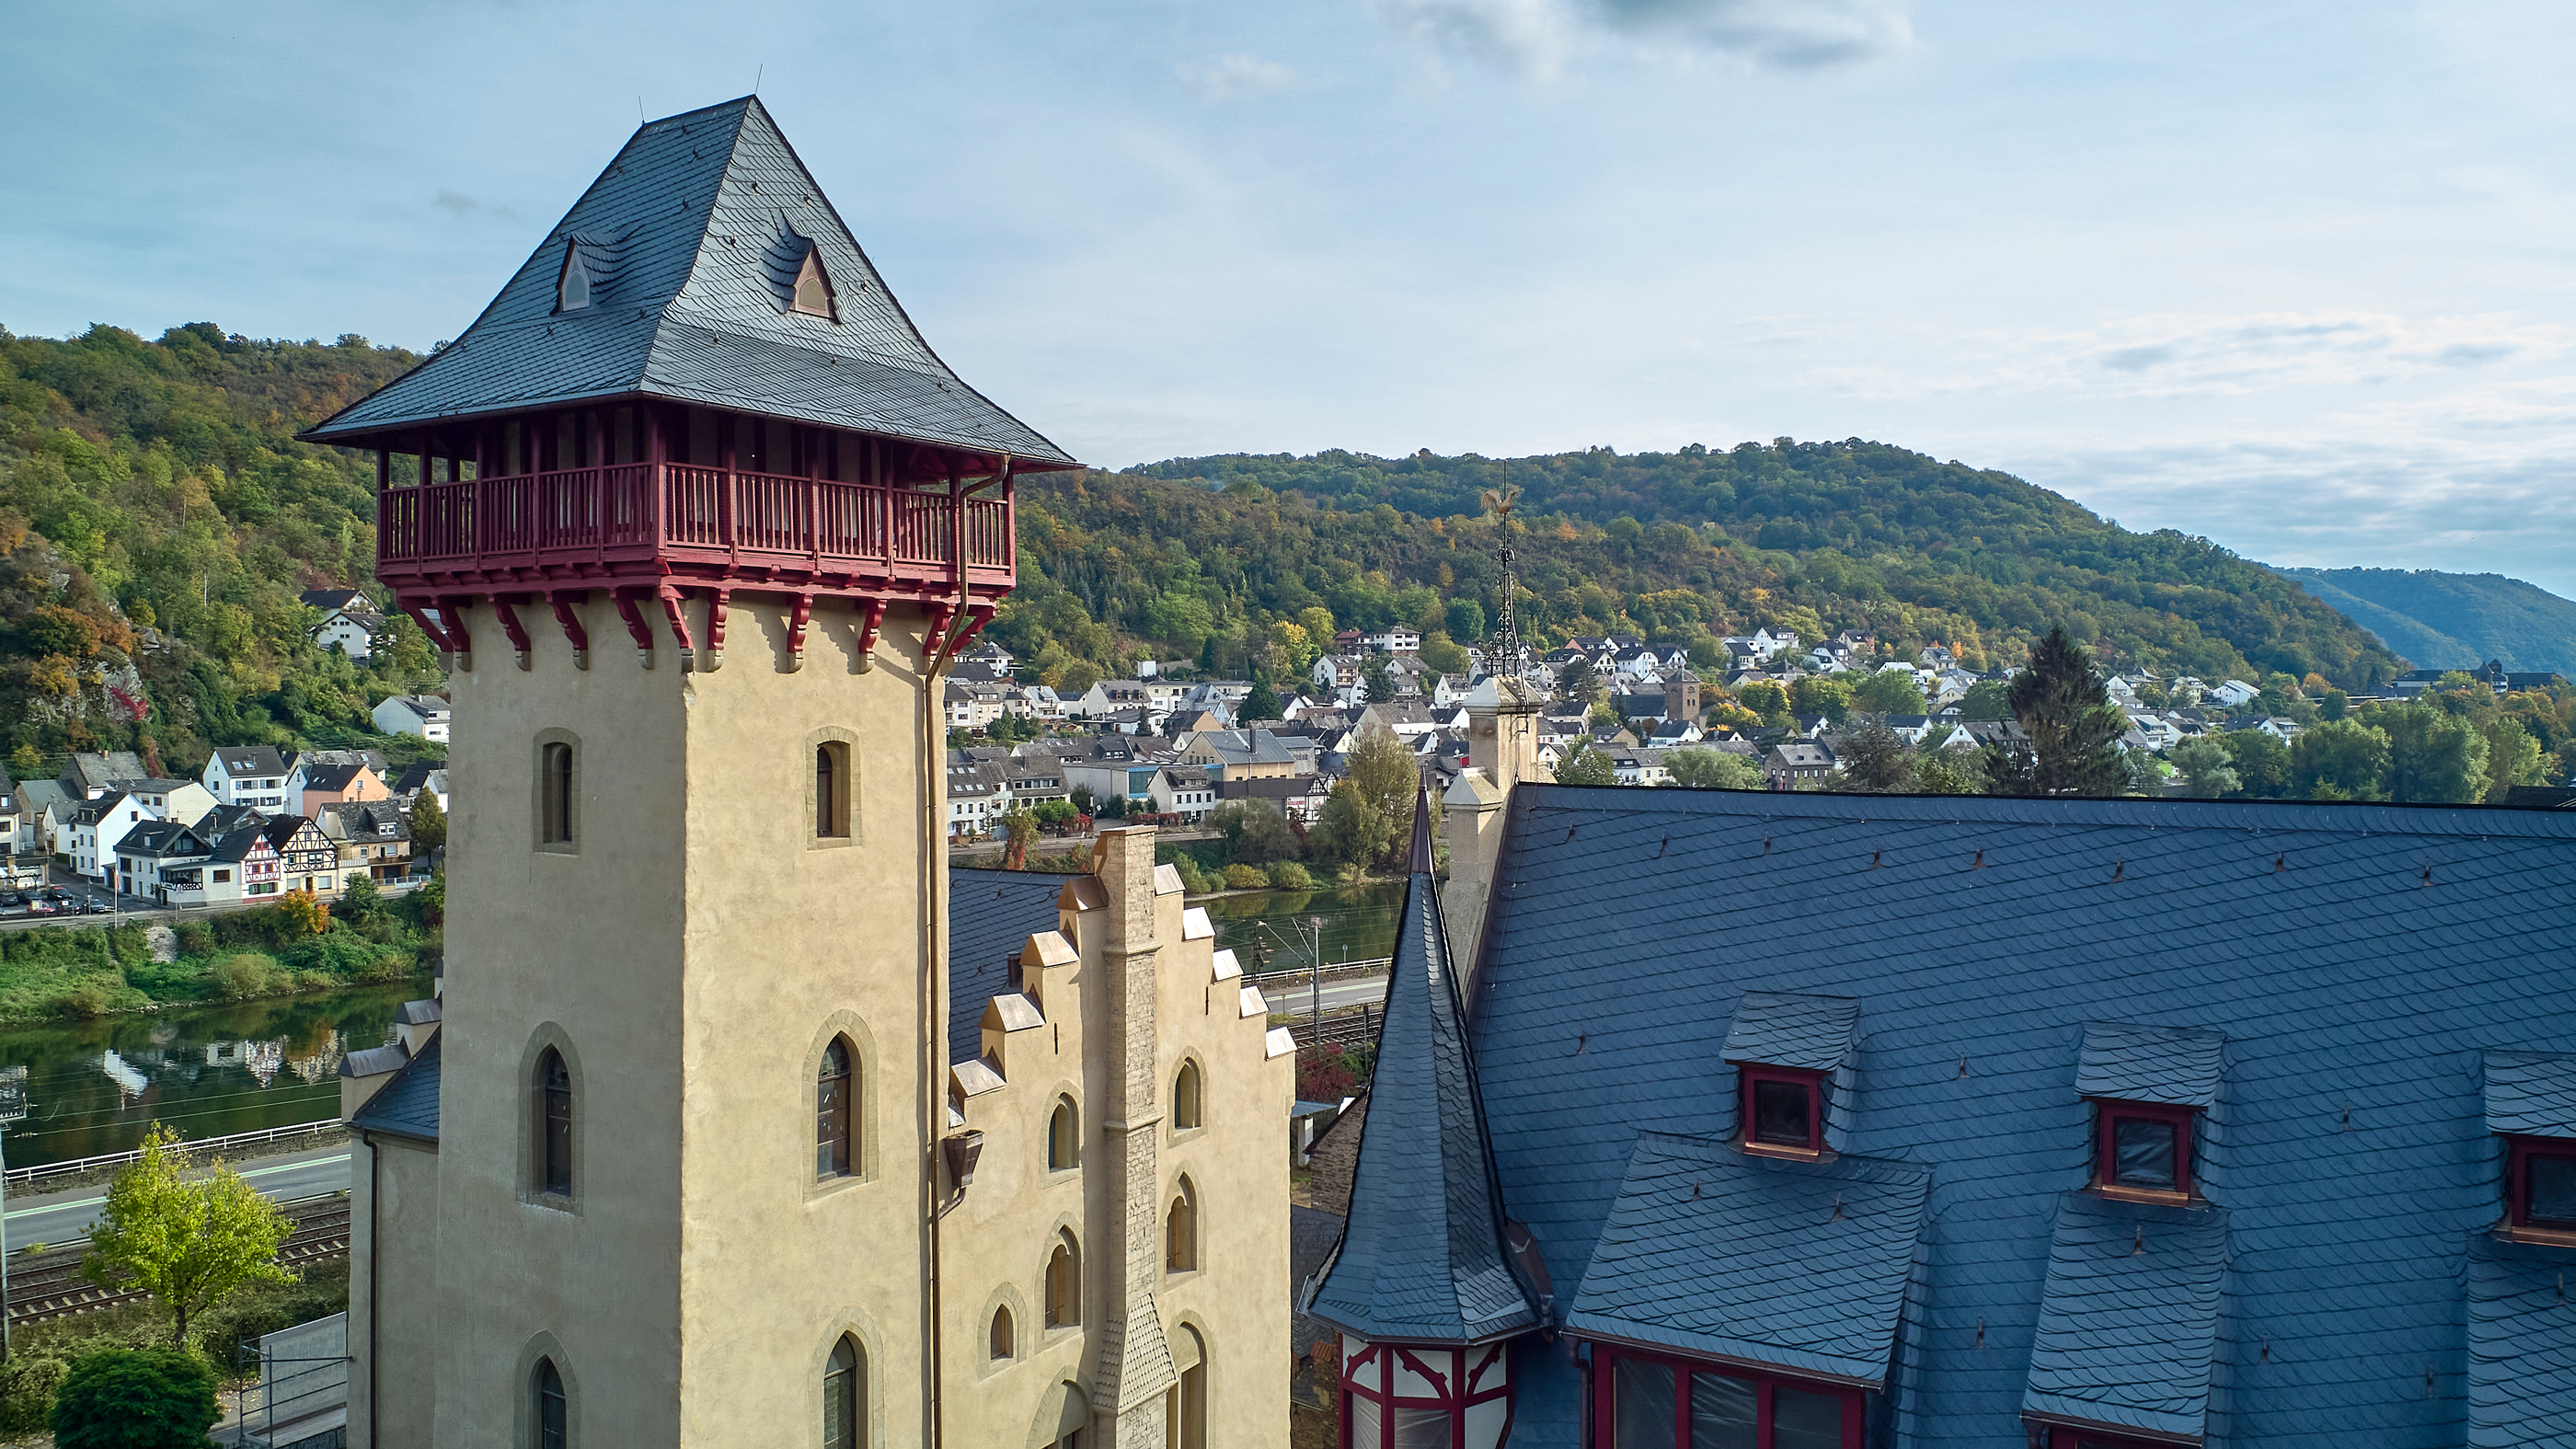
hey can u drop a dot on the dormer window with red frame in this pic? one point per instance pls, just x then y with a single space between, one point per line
1787 1052
2540 1179
1784 1110
2143 1150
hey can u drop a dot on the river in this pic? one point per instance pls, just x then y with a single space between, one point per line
1275 930
85 1088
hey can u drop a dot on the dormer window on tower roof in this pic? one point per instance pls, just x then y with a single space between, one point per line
572 290
813 293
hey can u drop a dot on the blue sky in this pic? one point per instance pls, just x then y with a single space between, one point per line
2294 276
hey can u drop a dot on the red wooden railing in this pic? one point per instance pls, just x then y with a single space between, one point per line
610 510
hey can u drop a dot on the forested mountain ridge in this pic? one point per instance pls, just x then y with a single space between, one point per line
1207 556
157 522
2454 621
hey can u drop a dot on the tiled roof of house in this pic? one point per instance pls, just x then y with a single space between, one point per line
2378 974
244 760
692 238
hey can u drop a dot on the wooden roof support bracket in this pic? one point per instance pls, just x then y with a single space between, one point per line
719 603
642 632
871 619
460 645
503 609
799 615
420 615
563 600
678 619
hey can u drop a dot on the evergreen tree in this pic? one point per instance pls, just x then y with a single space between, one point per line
1262 703
2073 728
428 823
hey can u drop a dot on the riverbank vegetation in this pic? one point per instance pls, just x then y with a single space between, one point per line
298 945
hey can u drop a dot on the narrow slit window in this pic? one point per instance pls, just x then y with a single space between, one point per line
555 794
554 1125
832 791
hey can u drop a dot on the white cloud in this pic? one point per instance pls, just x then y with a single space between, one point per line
1538 38
1235 77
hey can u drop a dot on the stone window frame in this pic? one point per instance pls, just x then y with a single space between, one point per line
1066 1232
1191 1060
846 1025
856 1325
846 741
531 1165
1184 1191
1028 1330
571 845
543 1346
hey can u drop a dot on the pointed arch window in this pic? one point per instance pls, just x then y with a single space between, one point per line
1181 1230
813 295
1186 1093
1064 1137
833 1098
1001 1344
554 1426
845 1396
554 1125
572 289
1064 1282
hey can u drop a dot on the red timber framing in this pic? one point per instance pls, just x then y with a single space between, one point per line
1650 1399
1410 1396
659 504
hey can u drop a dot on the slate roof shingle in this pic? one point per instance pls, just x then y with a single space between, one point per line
682 237
2128 1324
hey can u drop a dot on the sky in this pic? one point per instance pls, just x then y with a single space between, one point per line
2292 276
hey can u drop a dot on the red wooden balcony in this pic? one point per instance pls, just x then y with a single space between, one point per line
691 525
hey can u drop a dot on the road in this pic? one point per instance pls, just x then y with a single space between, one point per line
64 1216
1338 995
138 908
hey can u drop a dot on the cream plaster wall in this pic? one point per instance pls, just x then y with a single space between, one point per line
393 1293
690 956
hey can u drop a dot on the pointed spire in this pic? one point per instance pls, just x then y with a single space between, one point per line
1423 1255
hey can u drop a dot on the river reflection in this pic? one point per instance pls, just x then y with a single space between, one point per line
82 1089
1274 930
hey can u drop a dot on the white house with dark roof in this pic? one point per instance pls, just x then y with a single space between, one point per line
253 775
349 621
424 715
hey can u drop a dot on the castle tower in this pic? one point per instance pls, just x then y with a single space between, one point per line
698 519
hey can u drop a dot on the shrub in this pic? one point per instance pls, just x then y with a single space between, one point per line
1288 875
1245 877
196 938
28 1383
1194 880
244 975
341 952
149 1398
86 1001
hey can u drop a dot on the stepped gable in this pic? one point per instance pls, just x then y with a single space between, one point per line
689 247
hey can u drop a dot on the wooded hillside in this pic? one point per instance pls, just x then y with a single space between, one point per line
157 522
2454 621
1208 556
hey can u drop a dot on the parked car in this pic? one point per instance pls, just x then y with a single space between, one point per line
97 906
56 894
40 908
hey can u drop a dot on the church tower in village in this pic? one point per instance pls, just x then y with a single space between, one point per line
686 1154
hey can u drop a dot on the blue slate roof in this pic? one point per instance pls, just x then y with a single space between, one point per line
1810 1033
2131 1063
1422 1256
2129 1322
2360 961
1799 1264
684 238
2522 1347
991 915
407 1106
2531 1094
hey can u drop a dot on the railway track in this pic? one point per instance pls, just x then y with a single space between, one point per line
48 1285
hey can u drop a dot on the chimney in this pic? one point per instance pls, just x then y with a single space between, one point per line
1135 1363
364 1073
1502 750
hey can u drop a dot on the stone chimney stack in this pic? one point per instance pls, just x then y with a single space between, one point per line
1135 1364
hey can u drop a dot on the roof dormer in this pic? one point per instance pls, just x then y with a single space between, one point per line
572 288
812 294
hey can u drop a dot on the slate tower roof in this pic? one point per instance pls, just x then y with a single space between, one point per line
689 247
1422 1257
